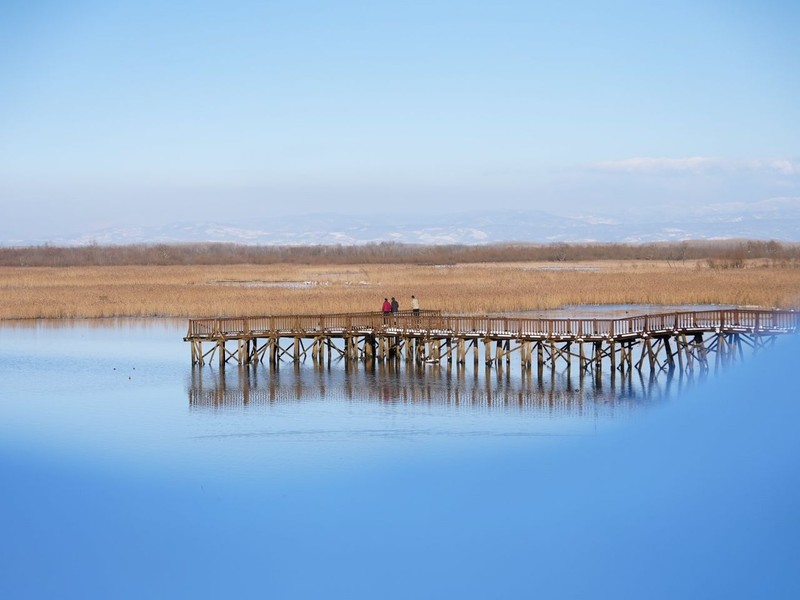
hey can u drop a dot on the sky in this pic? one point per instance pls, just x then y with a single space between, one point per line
135 113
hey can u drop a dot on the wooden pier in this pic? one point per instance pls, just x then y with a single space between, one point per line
685 340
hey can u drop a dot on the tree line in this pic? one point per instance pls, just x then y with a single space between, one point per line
724 253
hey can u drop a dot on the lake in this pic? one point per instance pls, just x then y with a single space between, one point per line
130 473
126 389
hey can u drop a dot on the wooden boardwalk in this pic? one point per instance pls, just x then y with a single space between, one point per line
684 340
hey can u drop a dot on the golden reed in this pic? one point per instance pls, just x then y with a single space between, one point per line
239 290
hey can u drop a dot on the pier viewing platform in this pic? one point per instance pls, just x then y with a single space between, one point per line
684 340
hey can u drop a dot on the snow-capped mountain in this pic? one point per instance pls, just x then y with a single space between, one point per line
778 220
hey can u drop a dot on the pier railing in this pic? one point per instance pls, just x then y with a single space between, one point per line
433 323
337 322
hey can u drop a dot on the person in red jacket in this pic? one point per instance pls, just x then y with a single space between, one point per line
387 310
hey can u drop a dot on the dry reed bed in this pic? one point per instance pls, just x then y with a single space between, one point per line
197 291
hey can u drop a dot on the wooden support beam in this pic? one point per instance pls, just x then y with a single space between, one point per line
540 359
598 356
612 352
221 350
644 354
701 351
369 348
670 357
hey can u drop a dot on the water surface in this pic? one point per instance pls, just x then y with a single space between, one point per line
128 474
125 390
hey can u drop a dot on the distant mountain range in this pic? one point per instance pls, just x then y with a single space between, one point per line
778 220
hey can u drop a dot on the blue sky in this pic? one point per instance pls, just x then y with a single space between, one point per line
140 113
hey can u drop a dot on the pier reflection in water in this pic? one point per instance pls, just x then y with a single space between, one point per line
564 394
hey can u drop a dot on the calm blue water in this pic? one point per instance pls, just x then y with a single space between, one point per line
126 473
125 391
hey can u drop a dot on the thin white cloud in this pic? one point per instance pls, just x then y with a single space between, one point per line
780 165
651 164
698 164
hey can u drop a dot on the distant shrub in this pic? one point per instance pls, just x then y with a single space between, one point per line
719 254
